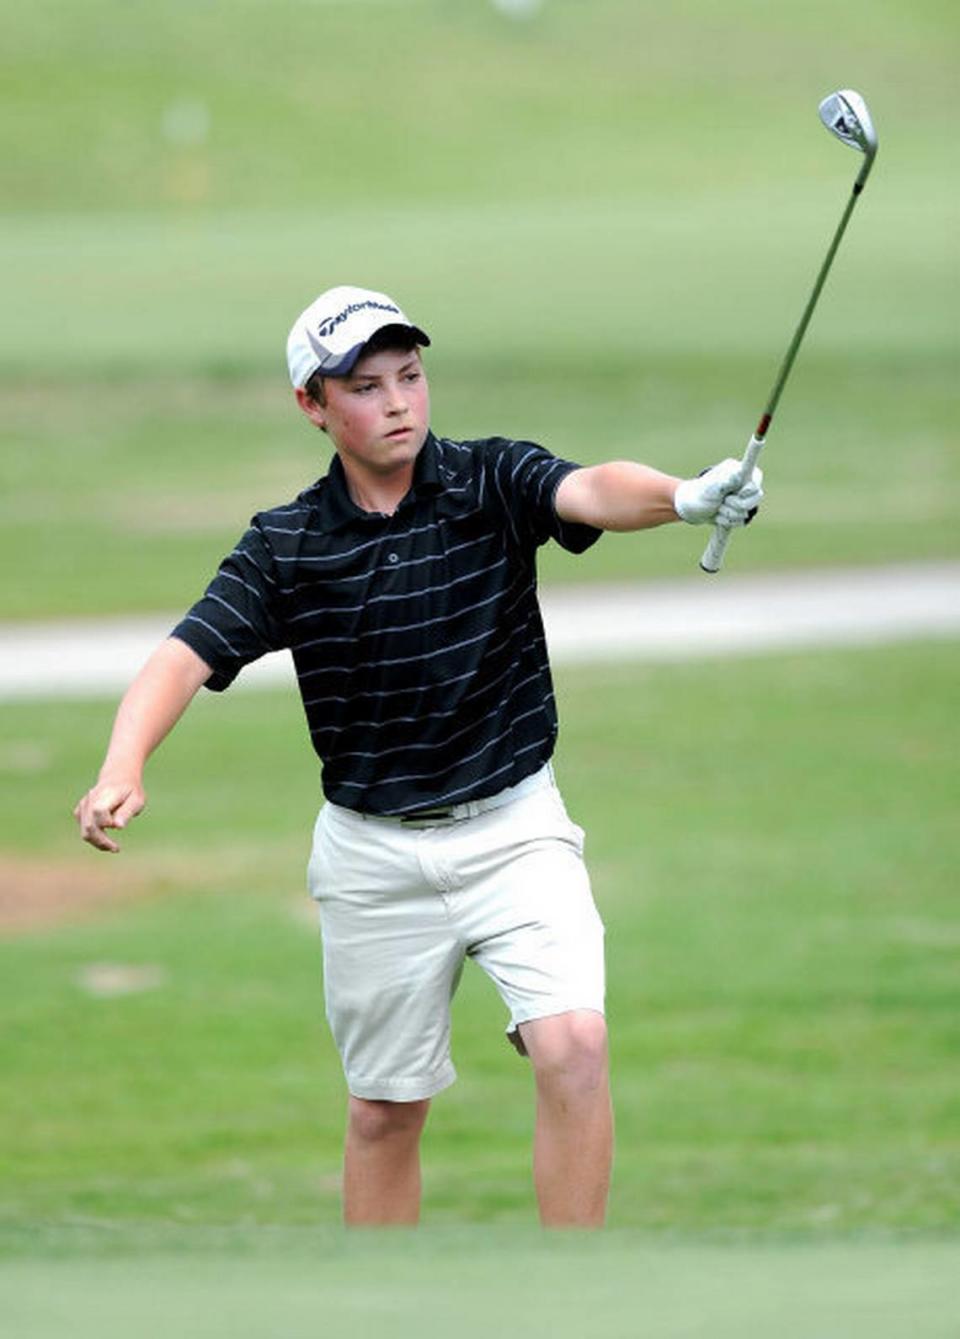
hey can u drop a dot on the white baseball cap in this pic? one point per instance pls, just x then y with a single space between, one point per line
329 336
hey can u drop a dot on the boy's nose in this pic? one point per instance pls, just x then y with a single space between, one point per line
396 400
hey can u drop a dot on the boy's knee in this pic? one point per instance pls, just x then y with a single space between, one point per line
373 1121
569 1049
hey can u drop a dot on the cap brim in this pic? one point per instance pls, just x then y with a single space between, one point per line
344 365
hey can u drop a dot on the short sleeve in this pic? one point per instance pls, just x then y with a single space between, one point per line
522 478
236 620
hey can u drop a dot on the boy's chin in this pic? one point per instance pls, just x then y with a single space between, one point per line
405 447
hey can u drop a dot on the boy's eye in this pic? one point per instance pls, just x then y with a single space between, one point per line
365 386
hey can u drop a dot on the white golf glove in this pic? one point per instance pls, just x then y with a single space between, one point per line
717 495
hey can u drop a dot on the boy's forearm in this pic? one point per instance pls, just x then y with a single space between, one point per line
620 495
151 707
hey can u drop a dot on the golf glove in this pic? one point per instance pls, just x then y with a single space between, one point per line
717 495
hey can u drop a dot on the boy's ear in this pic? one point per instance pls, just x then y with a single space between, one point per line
308 405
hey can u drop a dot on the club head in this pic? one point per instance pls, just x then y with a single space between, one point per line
845 115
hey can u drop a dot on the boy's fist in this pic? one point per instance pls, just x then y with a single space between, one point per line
108 805
720 494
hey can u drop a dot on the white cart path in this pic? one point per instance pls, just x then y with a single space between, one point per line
683 619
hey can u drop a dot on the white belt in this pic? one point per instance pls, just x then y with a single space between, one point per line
453 813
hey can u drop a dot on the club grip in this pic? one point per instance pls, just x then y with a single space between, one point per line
712 559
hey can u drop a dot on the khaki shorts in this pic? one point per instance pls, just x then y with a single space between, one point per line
403 905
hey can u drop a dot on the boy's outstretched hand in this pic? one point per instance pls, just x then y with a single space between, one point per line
108 804
720 494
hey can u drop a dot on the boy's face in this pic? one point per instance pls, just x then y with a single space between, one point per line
378 416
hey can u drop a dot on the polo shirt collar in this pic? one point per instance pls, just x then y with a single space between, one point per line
336 509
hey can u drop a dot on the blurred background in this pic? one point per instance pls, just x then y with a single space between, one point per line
608 217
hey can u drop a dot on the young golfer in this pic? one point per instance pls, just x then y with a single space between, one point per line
404 584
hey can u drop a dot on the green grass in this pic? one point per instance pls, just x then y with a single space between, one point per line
771 842
608 220
440 99
621 1285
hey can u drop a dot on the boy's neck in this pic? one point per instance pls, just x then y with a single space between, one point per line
375 493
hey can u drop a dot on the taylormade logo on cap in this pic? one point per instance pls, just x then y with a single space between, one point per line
328 327
329 335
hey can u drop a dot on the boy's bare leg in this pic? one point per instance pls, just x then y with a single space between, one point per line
573 1142
381 1163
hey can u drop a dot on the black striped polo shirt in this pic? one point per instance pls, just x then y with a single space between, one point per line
417 637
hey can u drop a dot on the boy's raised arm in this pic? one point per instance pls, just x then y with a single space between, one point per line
624 495
620 495
150 709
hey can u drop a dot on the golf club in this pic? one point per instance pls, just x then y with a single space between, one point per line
845 115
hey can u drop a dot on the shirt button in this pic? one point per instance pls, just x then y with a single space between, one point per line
393 557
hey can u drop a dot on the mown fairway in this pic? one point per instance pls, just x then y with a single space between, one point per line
624 1286
771 844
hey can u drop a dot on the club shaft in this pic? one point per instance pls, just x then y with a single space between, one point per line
804 321
712 559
